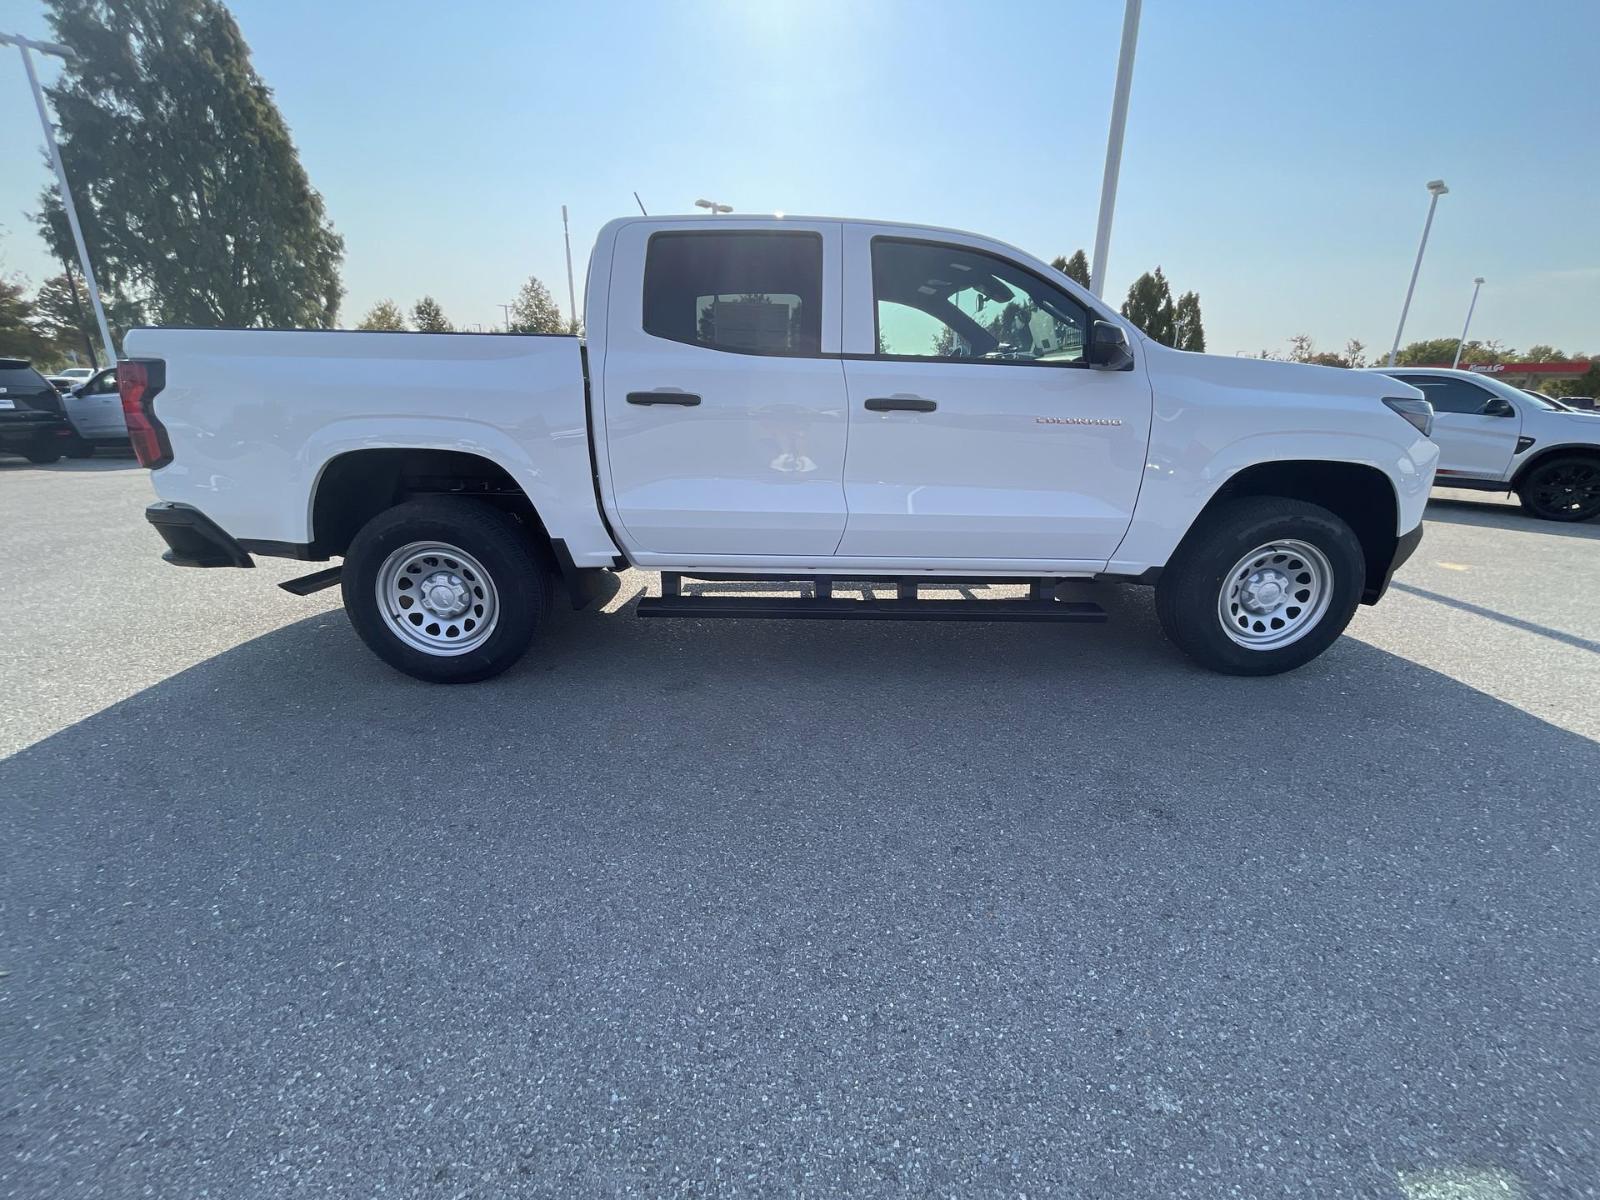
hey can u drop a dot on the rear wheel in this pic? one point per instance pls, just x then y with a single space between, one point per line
41 456
1562 489
1263 586
80 448
446 590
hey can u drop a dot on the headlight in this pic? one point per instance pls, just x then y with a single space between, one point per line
1418 412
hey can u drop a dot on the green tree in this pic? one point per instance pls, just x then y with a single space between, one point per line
190 189
1542 352
1149 306
19 337
535 311
428 317
66 321
1436 352
1190 333
1075 268
385 314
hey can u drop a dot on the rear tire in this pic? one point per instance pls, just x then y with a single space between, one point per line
1562 489
42 458
446 590
81 448
1263 586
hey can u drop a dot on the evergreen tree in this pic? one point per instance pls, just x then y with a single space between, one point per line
1189 333
535 311
18 336
189 187
385 314
428 317
1149 306
1075 268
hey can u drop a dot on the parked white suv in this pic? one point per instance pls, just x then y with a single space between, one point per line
810 401
1495 437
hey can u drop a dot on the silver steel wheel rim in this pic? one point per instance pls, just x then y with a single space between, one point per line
437 598
1275 595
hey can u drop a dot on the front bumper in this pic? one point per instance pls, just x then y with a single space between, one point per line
194 539
1404 547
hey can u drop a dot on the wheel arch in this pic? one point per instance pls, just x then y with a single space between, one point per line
1359 494
1546 453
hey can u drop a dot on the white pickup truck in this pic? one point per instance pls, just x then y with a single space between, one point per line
804 401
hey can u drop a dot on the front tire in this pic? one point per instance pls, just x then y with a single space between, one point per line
1263 586
446 590
1562 489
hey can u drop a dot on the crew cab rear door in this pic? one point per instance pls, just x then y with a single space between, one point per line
978 431
721 388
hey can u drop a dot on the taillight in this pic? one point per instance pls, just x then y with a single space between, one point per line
139 380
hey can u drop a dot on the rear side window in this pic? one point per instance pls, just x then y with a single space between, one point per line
752 293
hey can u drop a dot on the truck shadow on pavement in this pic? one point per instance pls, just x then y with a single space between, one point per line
834 908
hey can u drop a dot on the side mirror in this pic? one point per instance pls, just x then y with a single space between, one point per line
1499 407
1108 348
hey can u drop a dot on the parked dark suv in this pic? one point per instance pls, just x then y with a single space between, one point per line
32 422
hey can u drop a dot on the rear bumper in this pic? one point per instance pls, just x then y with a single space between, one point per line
1404 547
194 539
23 431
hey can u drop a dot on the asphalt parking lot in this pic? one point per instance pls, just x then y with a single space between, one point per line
744 908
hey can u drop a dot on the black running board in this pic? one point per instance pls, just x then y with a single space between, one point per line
313 582
790 608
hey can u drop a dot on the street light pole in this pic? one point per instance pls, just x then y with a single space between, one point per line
1476 284
1119 123
572 300
24 45
713 207
1436 188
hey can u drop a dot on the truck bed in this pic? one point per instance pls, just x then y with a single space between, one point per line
256 416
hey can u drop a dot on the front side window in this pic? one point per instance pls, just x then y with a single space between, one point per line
754 293
1450 395
948 302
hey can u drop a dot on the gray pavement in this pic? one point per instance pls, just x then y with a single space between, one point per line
762 908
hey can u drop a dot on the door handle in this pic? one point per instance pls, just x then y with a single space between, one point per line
685 399
900 404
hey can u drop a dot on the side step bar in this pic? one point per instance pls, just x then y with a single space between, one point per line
788 608
907 605
313 582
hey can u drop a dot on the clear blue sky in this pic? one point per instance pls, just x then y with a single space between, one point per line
1275 161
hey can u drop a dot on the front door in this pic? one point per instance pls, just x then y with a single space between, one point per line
977 429
95 409
725 424
1476 430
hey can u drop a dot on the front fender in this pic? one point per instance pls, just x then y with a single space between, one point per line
1182 476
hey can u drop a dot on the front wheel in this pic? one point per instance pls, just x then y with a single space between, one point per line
446 590
1263 586
1562 489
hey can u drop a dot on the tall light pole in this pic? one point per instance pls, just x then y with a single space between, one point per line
572 301
1436 188
1476 284
1119 123
24 45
